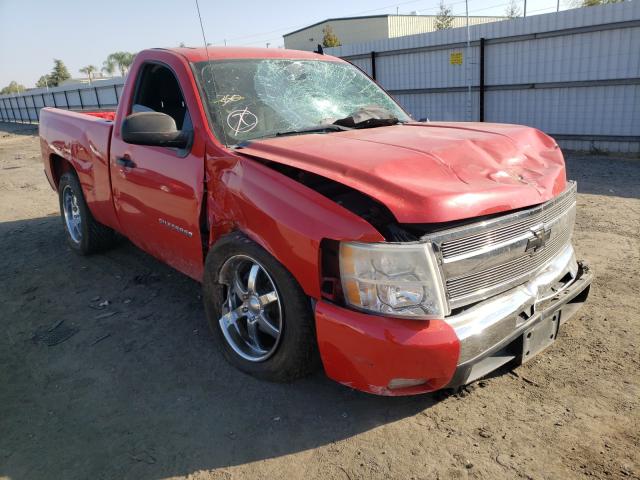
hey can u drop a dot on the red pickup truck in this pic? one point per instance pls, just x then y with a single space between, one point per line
326 226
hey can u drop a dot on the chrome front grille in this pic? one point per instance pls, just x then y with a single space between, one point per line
513 270
486 258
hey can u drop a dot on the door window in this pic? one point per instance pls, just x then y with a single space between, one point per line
159 91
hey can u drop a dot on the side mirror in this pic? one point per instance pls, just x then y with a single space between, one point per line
154 129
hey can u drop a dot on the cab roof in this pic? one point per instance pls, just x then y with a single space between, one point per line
199 54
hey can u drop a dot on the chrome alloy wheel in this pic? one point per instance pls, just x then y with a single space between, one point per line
252 314
72 216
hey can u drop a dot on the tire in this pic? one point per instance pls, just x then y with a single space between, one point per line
294 354
84 234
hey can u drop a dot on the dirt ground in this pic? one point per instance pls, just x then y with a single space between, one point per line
135 388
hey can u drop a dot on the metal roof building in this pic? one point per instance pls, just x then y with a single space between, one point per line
374 27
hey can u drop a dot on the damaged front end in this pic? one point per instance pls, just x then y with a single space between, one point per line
508 284
485 292
425 248
430 306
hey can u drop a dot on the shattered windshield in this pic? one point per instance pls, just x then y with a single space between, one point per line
249 99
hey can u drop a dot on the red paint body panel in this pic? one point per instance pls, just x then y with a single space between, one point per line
166 187
423 173
110 116
432 173
288 219
83 140
366 352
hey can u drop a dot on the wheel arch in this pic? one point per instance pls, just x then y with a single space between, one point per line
286 218
97 191
58 166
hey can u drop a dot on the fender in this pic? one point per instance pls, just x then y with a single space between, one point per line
286 218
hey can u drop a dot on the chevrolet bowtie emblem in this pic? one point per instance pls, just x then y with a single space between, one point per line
539 240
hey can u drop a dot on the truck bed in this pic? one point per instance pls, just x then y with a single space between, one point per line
108 115
83 140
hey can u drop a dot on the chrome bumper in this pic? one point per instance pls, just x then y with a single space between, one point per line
490 332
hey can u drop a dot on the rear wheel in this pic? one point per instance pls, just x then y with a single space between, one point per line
84 234
260 315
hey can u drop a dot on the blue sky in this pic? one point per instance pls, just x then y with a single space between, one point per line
82 32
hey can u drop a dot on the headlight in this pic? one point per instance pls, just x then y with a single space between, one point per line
399 280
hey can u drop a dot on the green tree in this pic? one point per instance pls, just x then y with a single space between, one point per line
89 70
108 67
330 39
444 19
43 81
127 60
13 87
513 9
121 60
59 73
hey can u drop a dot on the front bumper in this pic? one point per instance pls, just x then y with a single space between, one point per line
379 355
559 308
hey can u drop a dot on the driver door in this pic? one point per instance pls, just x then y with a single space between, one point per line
157 191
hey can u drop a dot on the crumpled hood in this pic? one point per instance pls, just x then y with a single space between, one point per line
431 172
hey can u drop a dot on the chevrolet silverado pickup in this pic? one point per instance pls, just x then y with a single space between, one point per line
326 226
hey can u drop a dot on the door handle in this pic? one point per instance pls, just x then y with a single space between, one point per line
125 162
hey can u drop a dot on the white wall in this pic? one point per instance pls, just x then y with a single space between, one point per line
403 25
347 30
365 29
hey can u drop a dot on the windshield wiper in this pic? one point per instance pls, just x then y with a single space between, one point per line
329 127
369 117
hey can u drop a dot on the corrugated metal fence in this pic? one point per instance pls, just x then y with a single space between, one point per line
25 107
573 74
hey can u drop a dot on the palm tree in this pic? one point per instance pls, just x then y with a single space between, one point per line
127 60
122 60
108 67
89 71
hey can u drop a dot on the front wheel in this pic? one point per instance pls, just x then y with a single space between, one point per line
259 313
85 235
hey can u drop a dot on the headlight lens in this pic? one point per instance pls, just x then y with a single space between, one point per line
392 279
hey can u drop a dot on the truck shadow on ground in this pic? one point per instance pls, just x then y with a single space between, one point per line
109 370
